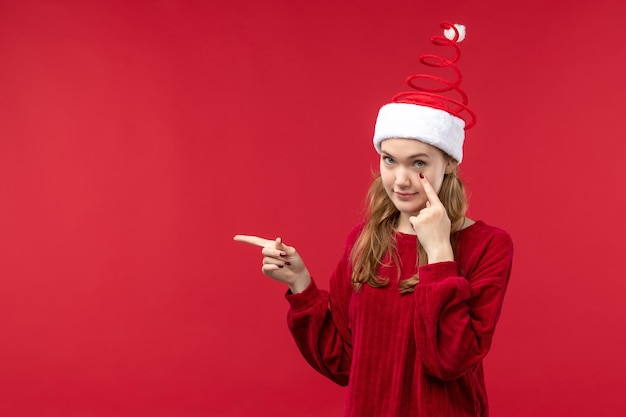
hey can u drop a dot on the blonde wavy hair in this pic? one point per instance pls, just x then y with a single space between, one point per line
377 239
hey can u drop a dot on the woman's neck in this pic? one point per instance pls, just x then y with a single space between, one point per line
404 225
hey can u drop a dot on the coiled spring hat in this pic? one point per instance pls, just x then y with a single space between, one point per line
435 115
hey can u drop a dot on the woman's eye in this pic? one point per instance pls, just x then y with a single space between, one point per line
419 164
388 159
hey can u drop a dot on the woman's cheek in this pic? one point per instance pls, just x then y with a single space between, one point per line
436 181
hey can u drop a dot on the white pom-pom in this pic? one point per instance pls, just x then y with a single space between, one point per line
449 33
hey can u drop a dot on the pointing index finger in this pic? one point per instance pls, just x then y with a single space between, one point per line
253 240
430 191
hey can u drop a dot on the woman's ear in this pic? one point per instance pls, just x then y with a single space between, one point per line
451 166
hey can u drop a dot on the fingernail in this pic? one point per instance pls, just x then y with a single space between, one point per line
288 263
421 175
283 254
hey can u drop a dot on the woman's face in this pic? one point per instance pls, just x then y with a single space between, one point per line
401 162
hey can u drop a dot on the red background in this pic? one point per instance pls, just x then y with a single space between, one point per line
136 138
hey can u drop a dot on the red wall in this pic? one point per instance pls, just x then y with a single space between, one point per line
136 138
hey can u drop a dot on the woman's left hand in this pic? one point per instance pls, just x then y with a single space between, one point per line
432 226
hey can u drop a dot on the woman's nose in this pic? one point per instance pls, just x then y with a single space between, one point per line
402 178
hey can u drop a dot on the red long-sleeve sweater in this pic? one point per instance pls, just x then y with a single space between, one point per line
416 354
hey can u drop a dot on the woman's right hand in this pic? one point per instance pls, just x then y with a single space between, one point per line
280 262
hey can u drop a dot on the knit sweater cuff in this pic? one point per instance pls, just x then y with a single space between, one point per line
433 273
304 299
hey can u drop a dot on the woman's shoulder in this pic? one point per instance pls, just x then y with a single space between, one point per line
480 231
354 233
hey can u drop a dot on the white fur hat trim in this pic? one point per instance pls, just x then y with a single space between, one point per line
426 124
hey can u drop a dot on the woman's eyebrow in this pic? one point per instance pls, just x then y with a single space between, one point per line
417 155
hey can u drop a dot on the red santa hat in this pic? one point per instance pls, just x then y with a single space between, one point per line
436 115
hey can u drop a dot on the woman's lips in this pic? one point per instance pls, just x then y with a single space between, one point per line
405 196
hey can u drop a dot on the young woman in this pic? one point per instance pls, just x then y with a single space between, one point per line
414 300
